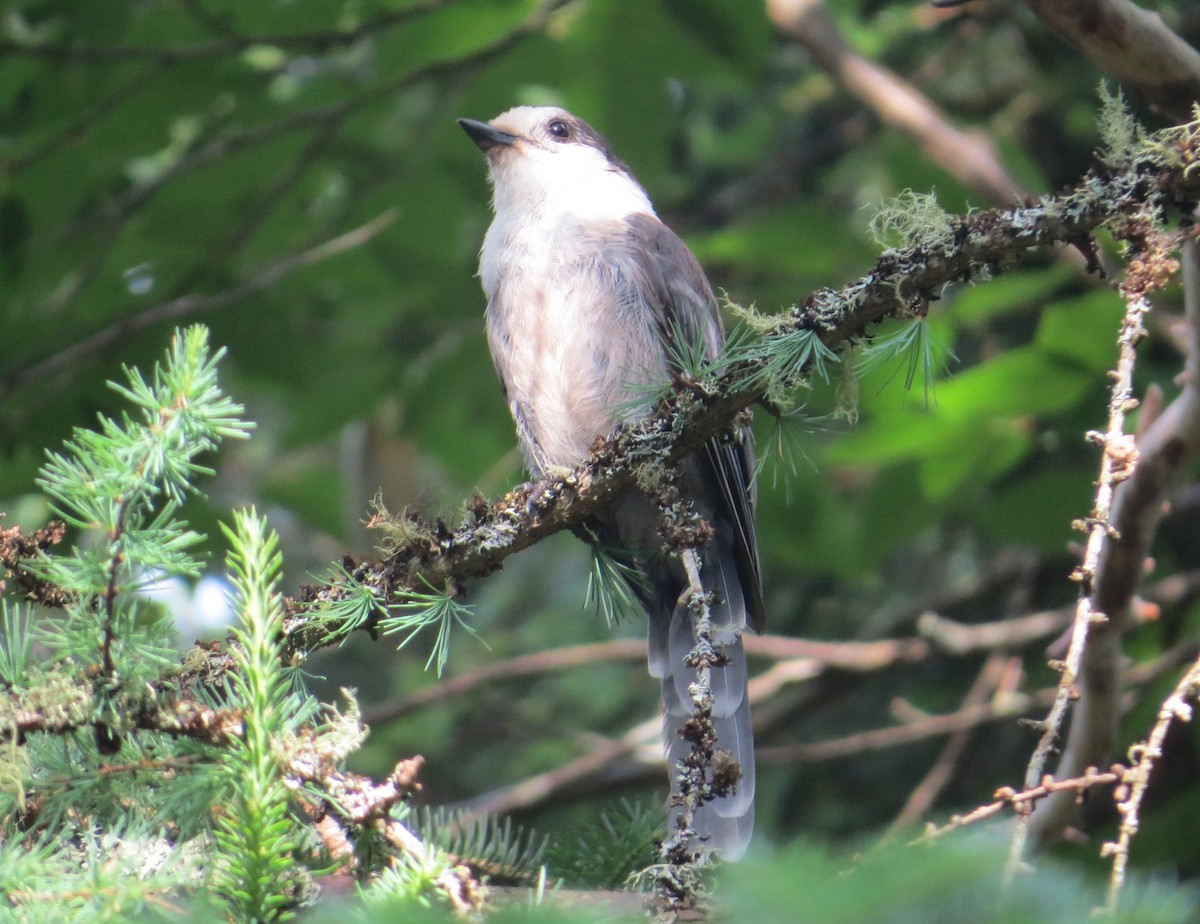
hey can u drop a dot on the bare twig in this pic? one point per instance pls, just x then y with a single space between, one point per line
640 742
252 217
104 223
1137 779
539 662
1021 800
134 197
798 659
1116 465
882 739
542 787
314 41
959 638
78 129
1132 44
1163 450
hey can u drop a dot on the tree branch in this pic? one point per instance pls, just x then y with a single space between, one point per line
971 158
901 282
314 41
1132 44
190 306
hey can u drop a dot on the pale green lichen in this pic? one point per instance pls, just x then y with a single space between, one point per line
1121 136
912 220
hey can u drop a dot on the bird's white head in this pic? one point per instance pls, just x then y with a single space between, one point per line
545 161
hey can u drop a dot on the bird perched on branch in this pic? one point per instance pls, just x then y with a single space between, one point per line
592 300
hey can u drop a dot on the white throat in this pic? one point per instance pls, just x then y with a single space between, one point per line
542 199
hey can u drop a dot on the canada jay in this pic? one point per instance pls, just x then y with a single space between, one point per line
587 290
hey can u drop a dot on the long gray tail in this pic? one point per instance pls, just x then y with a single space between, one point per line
724 824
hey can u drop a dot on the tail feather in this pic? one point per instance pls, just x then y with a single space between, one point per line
725 823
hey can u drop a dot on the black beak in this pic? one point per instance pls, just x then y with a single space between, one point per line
485 135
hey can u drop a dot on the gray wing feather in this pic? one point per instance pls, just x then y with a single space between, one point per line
683 303
719 481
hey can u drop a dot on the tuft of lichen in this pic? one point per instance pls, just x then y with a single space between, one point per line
1121 137
912 220
397 531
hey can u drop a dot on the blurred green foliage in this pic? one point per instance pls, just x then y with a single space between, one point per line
157 156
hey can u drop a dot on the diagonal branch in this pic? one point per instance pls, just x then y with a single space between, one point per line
978 246
313 41
971 158
190 306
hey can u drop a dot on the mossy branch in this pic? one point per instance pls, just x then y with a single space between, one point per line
1158 178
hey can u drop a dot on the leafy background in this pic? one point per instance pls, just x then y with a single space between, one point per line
141 187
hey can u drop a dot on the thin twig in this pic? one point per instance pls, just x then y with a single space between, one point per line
1175 706
926 792
971 158
960 638
601 762
1021 800
133 198
314 41
77 130
881 739
1116 464
253 216
1164 449
188 306
798 659
110 216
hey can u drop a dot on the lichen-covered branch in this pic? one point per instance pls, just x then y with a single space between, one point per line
1021 800
1117 463
17 548
902 281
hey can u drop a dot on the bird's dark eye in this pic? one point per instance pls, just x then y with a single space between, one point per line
559 129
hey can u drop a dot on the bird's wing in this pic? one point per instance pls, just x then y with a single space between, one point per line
684 305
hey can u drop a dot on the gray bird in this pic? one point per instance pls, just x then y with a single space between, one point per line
587 292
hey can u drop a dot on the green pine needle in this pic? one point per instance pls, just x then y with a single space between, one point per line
416 611
606 852
494 847
611 586
16 642
914 349
255 835
785 363
784 450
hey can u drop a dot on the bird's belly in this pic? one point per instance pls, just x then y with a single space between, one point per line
572 373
